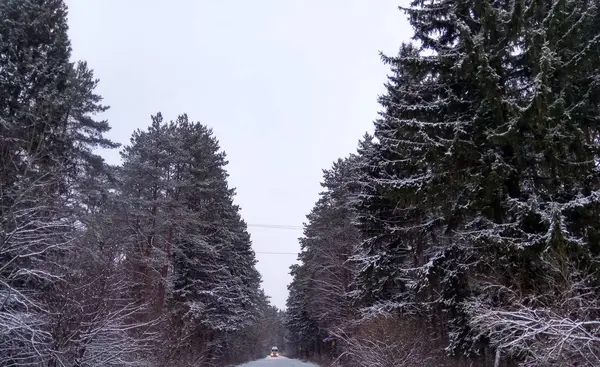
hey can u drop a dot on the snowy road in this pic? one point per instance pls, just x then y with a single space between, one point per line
278 362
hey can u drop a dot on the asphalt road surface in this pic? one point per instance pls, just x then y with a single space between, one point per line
278 362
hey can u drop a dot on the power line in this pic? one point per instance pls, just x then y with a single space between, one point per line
275 226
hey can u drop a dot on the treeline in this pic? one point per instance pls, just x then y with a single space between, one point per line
466 231
144 264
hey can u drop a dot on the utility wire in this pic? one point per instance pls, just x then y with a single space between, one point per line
275 226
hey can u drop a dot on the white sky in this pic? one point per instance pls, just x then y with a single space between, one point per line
288 86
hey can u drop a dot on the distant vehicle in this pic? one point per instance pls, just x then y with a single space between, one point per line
274 352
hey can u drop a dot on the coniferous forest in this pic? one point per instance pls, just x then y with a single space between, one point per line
144 264
466 230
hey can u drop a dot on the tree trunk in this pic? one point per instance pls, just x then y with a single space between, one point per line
165 269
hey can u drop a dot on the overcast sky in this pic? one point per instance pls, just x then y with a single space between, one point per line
287 85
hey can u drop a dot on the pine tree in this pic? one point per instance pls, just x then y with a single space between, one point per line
254 341
47 102
146 186
221 235
328 242
47 134
319 292
188 242
303 332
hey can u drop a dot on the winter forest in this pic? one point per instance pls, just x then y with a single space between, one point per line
144 264
465 231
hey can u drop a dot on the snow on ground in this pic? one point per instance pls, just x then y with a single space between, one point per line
278 362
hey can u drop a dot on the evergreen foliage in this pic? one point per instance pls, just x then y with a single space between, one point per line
478 196
144 264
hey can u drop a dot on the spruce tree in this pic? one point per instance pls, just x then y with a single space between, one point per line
431 166
485 153
546 249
